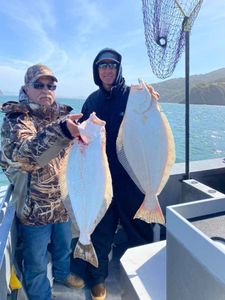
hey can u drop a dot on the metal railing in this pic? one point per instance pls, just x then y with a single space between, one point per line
7 239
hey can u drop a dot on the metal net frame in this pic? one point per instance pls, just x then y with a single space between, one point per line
165 23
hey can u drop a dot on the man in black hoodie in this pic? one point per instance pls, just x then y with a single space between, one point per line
109 103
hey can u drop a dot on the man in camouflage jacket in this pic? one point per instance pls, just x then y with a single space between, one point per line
35 138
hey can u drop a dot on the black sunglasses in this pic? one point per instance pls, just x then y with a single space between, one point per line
41 86
111 66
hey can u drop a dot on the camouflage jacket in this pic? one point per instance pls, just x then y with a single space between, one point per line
33 153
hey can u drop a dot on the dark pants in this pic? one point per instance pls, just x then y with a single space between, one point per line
126 201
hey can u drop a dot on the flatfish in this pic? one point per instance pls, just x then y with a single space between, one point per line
145 148
89 184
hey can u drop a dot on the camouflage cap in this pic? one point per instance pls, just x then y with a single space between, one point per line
36 71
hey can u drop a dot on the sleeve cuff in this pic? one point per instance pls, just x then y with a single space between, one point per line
65 130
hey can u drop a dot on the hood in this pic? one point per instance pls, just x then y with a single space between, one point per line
119 77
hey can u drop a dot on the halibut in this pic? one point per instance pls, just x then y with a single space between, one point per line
89 184
145 148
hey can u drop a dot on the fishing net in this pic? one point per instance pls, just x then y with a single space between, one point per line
165 23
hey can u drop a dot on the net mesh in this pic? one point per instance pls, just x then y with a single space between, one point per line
165 23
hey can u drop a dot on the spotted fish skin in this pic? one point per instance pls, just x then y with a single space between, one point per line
146 149
86 252
89 184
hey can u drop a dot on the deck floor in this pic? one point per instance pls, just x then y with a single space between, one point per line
113 287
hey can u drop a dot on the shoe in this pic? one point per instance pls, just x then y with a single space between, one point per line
73 281
98 292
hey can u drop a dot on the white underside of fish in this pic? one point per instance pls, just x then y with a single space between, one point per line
89 184
145 148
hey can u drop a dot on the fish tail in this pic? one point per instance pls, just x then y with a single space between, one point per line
86 252
153 215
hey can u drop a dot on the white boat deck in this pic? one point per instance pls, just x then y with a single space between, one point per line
113 286
140 275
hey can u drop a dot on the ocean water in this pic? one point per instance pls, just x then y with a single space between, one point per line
207 129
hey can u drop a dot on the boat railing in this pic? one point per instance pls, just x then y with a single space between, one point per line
7 238
6 216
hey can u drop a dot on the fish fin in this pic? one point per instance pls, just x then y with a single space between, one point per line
154 215
86 252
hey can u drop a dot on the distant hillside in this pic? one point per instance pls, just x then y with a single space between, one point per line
1 93
204 89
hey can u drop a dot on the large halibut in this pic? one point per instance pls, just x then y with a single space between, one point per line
89 184
145 148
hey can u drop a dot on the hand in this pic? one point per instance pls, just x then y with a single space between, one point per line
72 125
155 95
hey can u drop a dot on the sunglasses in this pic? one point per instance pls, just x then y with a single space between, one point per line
41 86
111 66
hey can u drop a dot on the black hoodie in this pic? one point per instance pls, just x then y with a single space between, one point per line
110 107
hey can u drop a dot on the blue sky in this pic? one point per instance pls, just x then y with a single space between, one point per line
67 35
